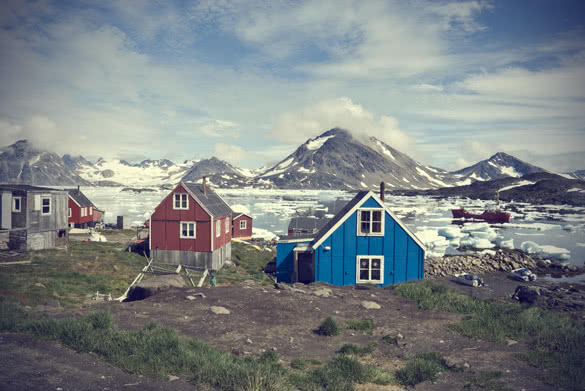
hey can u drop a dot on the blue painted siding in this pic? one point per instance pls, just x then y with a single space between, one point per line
403 257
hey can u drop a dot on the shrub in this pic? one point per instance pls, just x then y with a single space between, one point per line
366 325
422 367
390 340
357 350
329 327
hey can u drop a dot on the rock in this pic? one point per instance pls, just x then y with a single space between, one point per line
399 336
201 295
189 297
228 264
573 268
511 342
173 378
155 284
527 294
40 285
249 341
370 305
219 310
323 292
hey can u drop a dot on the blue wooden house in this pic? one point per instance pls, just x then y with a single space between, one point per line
363 244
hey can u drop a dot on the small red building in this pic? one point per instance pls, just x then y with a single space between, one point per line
242 227
81 210
192 227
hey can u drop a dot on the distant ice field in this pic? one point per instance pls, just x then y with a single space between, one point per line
545 231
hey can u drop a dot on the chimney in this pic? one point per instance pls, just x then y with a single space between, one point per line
77 187
382 191
204 187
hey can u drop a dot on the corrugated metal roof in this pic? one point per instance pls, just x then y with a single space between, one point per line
354 201
303 222
210 200
79 197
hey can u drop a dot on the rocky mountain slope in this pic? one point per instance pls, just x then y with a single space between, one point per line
23 163
500 165
337 160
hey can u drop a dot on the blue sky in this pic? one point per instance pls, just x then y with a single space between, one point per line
448 83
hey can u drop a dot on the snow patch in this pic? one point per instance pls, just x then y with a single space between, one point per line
521 183
317 143
385 150
430 178
239 208
260 233
510 171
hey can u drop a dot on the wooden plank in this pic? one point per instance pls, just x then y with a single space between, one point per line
15 263
200 284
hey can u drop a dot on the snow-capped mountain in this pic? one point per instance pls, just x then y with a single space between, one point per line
500 165
579 174
21 162
337 160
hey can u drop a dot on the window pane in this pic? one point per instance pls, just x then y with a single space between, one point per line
364 275
377 215
184 229
192 230
177 201
46 201
184 198
375 275
375 263
376 226
366 215
364 263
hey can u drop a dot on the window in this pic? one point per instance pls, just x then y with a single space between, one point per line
90 211
70 213
45 205
17 204
243 224
371 222
181 201
187 230
370 269
227 224
217 228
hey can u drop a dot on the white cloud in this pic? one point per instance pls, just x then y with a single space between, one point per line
429 87
220 128
298 126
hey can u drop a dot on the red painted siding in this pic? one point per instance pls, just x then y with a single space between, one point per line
223 238
243 233
76 217
166 225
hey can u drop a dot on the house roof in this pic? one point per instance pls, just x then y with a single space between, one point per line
304 222
347 210
79 198
210 200
21 187
240 215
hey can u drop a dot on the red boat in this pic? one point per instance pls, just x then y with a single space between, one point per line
495 216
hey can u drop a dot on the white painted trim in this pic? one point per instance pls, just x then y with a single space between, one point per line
50 205
227 224
181 230
359 222
182 184
19 198
245 224
181 201
217 228
90 210
211 233
296 240
73 199
356 207
369 281
69 213
150 235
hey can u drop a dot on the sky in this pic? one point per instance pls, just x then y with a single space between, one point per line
448 83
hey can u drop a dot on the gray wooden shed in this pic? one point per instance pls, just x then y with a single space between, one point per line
32 217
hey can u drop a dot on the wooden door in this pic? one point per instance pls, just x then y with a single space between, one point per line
306 267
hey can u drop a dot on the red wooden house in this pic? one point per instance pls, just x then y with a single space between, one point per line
192 227
81 210
242 226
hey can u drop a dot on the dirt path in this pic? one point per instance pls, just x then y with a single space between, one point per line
31 364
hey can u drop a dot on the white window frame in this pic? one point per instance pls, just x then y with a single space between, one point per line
227 225
369 281
69 213
182 197
90 211
371 211
14 208
243 224
43 206
217 228
194 230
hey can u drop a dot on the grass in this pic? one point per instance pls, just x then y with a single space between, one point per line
249 265
70 275
157 352
557 340
302 363
365 325
487 380
329 327
357 350
420 368
390 340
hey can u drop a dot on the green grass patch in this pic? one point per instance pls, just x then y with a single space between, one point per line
357 350
249 265
303 363
420 368
487 380
70 275
329 327
365 325
550 334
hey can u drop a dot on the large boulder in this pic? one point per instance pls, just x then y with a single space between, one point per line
154 285
527 294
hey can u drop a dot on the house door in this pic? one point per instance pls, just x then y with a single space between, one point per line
306 267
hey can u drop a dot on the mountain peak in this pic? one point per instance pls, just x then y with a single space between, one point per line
336 132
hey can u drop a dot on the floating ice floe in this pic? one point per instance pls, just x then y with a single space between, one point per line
508 244
476 243
580 244
260 233
545 251
451 232
434 243
238 208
